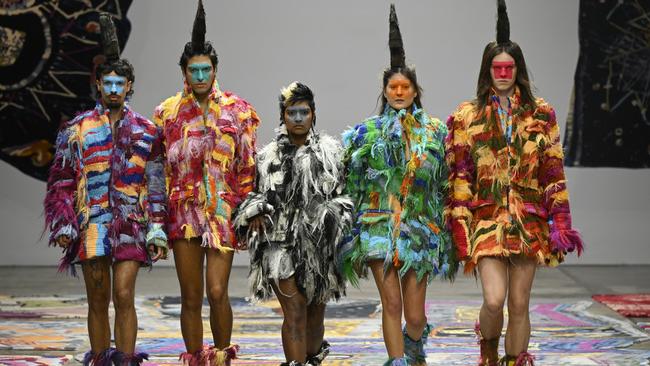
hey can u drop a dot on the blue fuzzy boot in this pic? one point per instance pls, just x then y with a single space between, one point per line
414 350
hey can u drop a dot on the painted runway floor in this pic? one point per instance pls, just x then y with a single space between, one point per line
52 331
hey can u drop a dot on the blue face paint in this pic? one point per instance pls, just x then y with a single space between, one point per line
113 84
200 72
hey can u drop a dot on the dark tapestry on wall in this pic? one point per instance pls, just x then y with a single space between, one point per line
609 125
48 54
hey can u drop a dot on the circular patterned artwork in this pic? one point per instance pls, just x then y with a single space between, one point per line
48 53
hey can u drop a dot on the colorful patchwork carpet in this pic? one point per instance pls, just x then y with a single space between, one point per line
580 333
630 305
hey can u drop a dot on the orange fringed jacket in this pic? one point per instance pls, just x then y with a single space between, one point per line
508 197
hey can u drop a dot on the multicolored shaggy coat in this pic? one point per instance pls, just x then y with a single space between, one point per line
299 188
508 197
105 192
397 178
210 163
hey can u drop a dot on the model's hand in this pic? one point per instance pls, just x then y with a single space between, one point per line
63 241
156 253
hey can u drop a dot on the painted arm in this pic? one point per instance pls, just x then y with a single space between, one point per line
563 238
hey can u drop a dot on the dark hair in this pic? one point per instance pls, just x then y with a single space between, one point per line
484 86
408 73
299 92
122 67
189 52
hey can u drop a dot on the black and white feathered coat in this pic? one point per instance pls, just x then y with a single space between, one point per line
299 191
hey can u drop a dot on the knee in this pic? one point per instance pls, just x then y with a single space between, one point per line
416 319
295 312
217 294
98 304
517 306
192 301
123 298
392 306
494 304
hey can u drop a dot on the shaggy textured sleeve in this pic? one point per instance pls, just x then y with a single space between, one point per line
354 168
60 214
245 152
354 189
563 238
461 172
156 193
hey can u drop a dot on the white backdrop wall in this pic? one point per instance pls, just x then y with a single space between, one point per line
339 48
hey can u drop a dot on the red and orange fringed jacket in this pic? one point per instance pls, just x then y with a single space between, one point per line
508 197
210 163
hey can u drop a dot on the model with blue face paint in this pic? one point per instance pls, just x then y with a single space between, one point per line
114 90
106 204
209 139
200 75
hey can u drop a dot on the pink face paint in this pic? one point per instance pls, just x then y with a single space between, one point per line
503 69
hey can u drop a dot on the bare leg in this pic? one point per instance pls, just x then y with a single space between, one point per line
494 280
97 276
388 285
217 276
126 320
188 257
294 326
522 274
414 295
315 328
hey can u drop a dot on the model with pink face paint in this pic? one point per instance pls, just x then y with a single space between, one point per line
508 208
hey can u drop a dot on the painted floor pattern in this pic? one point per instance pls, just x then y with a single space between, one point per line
52 331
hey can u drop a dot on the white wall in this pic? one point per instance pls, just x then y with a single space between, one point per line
339 48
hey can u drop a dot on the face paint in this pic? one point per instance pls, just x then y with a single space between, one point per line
200 72
399 92
297 114
503 69
113 84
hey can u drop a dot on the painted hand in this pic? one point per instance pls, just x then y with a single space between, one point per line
156 253
63 241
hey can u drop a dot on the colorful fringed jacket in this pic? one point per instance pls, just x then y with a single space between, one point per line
397 178
505 193
210 163
106 192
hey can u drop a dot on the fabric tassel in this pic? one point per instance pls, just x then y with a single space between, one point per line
104 358
197 358
132 359
563 241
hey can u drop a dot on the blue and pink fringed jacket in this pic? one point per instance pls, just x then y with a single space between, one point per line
106 192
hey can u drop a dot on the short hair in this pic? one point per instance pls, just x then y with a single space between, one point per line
122 67
294 93
189 51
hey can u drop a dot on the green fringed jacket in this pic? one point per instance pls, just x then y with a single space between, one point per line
397 179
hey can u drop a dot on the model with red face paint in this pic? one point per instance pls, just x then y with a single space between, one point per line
508 208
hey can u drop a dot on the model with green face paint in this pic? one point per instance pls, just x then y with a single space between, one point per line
210 149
